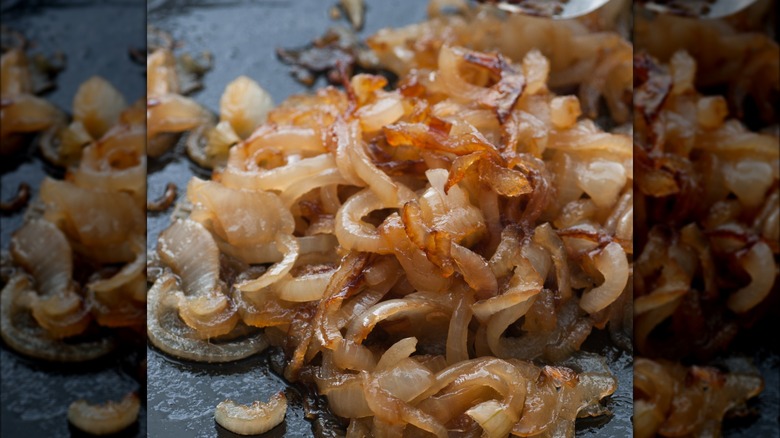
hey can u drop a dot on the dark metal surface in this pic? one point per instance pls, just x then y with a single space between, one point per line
95 37
243 36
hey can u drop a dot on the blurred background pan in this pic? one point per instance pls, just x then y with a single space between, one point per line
95 37
243 37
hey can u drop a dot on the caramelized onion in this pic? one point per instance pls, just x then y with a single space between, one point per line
22 333
168 333
244 105
612 264
192 254
254 419
105 419
469 215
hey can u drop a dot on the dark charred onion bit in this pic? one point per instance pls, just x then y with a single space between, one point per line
436 138
11 39
316 410
346 282
542 191
651 88
699 329
304 393
190 71
158 39
492 170
44 70
509 87
137 55
602 239
338 49
165 201
18 202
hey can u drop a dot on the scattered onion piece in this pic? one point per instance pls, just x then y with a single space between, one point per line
106 419
254 419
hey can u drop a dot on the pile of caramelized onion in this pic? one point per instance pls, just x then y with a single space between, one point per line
431 257
708 220
78 261
75 269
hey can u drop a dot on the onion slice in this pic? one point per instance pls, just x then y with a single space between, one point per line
168 333
22 333
253 419
612 263
105 419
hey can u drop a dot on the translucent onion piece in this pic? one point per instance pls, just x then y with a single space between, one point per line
421 273
406 379
243 172
116 163
361 326
97 106
385 111
602 181
398 351
320 245
245 105
324 178
106 419
42 250
168 333
346 398
475 271
613 265
16 78
161 73
307 287
241 217
287 245
389 408
209 145
172 113
97 219
352 232
22 333
26 113
458 332
254 419
749 180
493 417
361 168
450 211
758 262
190 251
564 111
120 299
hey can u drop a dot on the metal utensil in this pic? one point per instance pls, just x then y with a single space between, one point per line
707 9
557 10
